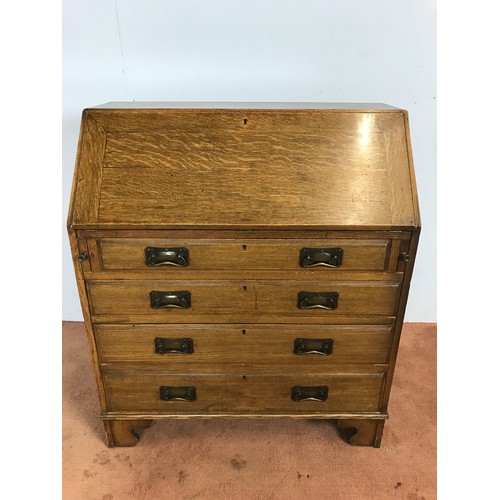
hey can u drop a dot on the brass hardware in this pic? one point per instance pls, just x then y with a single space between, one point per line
404 257
318 300
169 393
177 257
173 346
83 256
175 300
301 393
328 257
313 346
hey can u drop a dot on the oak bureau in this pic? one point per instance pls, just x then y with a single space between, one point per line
244 260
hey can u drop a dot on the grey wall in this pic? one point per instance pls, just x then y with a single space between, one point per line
319 50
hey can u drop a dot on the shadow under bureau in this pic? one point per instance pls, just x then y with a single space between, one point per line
244 260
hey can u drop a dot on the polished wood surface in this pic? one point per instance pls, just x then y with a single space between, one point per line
212 168
244 188
240 392
88 175
211 299
254 344
210 234
242 254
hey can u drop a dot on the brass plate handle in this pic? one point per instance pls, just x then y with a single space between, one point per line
317 393
177 257
170 300
173 346
328 257
171 393
313 346
317 300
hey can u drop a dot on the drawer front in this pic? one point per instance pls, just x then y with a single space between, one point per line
155 255
186 302
242 392
258 345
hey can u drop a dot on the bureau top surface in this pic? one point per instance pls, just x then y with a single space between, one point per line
350 106
244 165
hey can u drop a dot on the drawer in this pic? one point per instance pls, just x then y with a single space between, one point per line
186 302
254 344
156 255
242 392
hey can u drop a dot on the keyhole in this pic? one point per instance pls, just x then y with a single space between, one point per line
245 121
244 332
244 288
244 247
244 377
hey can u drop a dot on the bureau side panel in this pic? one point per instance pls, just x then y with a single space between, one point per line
84 207
76 249
413 180
411 248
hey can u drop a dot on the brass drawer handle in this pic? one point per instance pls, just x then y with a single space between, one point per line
313 346
328 257
170 393
173 346
318 300
173 300
177 257
301 393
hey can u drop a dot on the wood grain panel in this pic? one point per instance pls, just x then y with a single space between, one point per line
226 200
398 171
242 392
186 150
248 316
88 173
317 275
125 254
211 234
241 168
219 298
414 190
378 298
259 345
